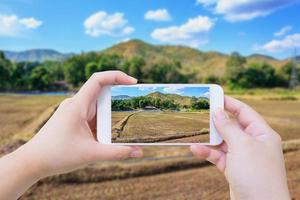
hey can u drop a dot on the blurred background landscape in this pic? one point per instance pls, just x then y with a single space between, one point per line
250 48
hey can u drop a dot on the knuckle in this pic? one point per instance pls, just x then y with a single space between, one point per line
118 72
119 156
94 75
277 138
66 102
228 123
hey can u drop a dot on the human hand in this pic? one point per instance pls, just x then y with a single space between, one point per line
66 141
251 155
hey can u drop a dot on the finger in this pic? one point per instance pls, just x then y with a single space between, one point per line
228 128
244 113
214 156
114 152
89 92
221 147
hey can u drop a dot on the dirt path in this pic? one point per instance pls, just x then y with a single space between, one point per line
197 139
118 128
177 137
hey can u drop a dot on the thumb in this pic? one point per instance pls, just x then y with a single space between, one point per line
114 152
228 128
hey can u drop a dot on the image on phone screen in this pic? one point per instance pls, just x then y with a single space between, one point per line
160 114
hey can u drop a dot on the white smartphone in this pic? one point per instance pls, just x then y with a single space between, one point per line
158 114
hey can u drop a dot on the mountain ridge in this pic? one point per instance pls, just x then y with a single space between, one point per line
193 61
36 55
182 100
203 64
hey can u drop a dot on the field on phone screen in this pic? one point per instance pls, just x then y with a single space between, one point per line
160 115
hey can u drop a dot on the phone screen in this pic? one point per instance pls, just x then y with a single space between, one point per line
169 114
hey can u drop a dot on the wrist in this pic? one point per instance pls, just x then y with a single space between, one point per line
30 163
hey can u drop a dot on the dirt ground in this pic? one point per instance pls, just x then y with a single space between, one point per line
164 172
198 183
168 126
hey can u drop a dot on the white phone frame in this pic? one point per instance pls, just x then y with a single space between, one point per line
104 117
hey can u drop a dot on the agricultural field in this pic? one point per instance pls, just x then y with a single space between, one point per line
160 114
164 172
20 115
161 126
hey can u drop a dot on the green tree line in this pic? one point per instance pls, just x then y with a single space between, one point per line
241 74
71 73
162 104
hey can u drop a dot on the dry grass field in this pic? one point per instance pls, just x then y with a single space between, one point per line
150 126
164 172
18 114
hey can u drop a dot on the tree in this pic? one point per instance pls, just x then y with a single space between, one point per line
286 72
166 72
200 104
56 69
91 68
258 75
74 70
235 66
40 79
5 71
134 66
212 79
2 55
118 105
109 62
142 103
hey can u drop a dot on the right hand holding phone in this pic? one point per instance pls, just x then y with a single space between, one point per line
251 155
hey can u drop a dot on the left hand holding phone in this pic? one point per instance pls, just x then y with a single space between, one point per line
66 142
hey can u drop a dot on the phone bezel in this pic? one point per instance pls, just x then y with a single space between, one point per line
104 117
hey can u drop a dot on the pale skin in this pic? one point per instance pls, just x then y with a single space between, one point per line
250 156
65 142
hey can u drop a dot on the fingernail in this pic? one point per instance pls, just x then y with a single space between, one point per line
136 154
220 114
134 80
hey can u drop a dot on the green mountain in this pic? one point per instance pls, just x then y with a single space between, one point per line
36 55
182 100
192 60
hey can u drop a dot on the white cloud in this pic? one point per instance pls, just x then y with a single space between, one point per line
31 22
13 26
173 90
288 43
147 88
206 2
206 95
102 23
241 10
124 40
193 33
283 31
158 15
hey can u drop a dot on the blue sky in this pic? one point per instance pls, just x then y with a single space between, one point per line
142 91
269 27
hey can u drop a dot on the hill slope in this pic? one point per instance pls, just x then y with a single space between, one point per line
192 60
38 55
182 100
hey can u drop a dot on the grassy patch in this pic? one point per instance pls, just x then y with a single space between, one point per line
18 112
